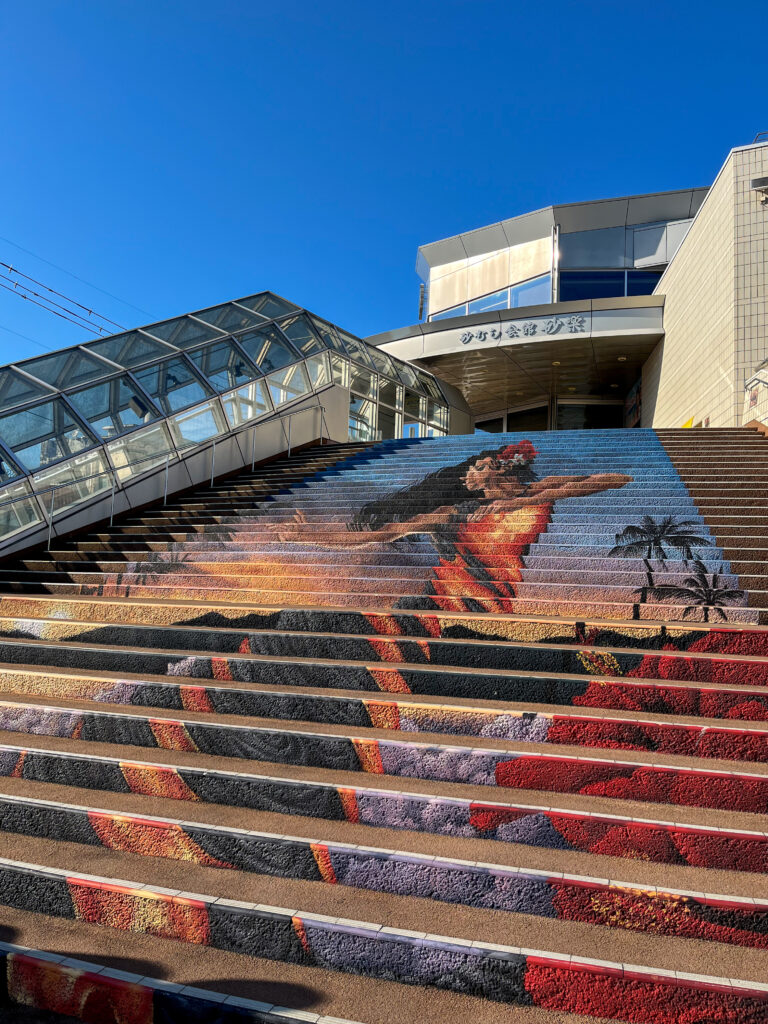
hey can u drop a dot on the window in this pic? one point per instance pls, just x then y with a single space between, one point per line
328 333
537 292
300 332
197 425
591 284
268 305
362 418
113 406
268 348
388 423
21 510
16 389
357 349
446 314
317 367
499 300
77 480
223 365
140 451
230 317
130 349
183 332
287 384
642 282
362 382
44 433
66 369
246 403
173 385
390 394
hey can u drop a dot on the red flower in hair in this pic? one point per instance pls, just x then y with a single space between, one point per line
518 454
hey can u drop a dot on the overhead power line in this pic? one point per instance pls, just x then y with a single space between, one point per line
76 278
86 326
73 302
25 291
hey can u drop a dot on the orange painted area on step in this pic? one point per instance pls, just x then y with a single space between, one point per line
151 780
323 861
172 735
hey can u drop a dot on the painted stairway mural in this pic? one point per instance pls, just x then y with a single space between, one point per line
548 649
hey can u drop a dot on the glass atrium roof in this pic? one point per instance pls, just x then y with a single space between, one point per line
57 405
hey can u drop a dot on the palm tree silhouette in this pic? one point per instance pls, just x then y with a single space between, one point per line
700 591
651 539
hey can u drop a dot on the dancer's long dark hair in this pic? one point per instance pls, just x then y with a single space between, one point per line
429 493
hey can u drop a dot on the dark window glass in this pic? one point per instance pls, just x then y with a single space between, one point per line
43 434
268 348
591 284
589 417
528 419
230 317
387 423
642 282
130 349
113 406
328 333
268 305
222 365
173 385
15 389
183 332
490 426
67 368
298 330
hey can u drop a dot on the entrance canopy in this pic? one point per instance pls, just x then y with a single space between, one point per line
514 358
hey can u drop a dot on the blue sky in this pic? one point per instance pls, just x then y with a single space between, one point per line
178 154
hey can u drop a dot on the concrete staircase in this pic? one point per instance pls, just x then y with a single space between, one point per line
193 699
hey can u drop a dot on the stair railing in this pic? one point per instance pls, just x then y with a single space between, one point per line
112 472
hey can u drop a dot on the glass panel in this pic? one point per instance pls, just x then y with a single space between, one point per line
362 419
15 389
390 393
299 330
437 414
357 349
75 481
446 314
172 384
499 300
288 384
268 348
328 333
19 514
140 451
429 384
268 305
317 367
642 282
130 349
230 317
407 375
380 360
66 369
197 425
113 407
414 406
183 332
411 429
246 403
361 381
223 365
43 434
537 292
389 423
589 417
340 370
590 284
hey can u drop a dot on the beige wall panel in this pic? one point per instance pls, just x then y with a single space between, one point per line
488 273
530 259
448 291
447 268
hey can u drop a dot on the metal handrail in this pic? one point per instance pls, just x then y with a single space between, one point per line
112 471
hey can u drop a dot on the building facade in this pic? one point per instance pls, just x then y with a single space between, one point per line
647 310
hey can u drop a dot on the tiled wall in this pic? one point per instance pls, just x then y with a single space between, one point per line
716 309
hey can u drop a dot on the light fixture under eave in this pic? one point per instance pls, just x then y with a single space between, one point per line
555 362
622 359
614 385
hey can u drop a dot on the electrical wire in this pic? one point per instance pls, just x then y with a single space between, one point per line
61 295
26 337
18 286
76 278
15 291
